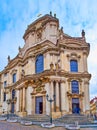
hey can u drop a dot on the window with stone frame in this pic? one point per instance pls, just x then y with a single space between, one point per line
5 83
73 66
14 78
4 98
75 86
39 64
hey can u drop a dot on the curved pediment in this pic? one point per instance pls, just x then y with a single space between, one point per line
39 48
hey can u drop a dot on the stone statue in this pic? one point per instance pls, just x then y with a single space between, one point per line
8 58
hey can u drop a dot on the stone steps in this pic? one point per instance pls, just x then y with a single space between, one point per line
37 118
71 119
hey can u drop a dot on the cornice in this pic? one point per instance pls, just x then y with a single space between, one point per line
81 48
45 76
78 40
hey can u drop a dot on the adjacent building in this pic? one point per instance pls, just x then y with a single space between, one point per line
50 63
93 106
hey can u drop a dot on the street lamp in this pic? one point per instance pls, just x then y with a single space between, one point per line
50 100
8 102
3 111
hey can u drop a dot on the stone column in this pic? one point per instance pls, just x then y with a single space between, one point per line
2 96
57 97
29 99
47 103
10 96
20 100
81 105
44 104
87 98
33 105
24 100
17 103
51 94
70 105
63 97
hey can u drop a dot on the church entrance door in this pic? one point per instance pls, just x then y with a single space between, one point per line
39 105
75 106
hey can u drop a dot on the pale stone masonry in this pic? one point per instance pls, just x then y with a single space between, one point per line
51 62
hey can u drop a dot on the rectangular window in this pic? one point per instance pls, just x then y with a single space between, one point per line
4 96
75 86
73 66
14 77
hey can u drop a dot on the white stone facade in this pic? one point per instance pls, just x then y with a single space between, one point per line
47 64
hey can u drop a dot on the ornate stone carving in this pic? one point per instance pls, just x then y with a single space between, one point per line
22 73
75 95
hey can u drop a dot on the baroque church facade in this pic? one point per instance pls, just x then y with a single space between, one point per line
50 63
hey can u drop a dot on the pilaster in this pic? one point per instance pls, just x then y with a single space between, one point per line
44 104
87 98
24 99
85 61
17 103
63 98
57 97
52 93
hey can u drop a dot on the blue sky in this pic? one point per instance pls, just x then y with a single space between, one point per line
74 15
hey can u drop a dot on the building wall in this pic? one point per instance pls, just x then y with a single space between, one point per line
44 37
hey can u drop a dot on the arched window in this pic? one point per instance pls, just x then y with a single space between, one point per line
13 94
39 65
75 86
73 66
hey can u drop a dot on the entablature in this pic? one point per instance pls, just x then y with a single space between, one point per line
45 76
